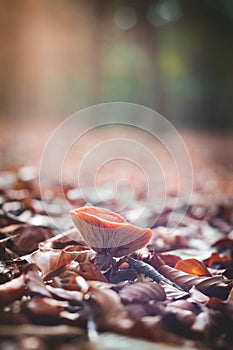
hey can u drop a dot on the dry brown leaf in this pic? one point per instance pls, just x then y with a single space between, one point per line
142 292
12 290
43 310
49 260
34 283
192 266
91 272
106 308
216 258
80 253
210 286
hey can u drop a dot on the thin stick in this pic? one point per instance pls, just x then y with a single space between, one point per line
148 270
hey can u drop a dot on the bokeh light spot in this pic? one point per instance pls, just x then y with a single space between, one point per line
164 11
125 17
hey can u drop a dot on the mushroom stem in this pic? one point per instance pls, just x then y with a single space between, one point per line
104 260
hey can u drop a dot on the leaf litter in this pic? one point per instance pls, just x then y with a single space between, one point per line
176 289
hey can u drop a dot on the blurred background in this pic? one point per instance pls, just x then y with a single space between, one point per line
175 56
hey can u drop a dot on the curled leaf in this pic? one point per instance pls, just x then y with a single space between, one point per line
210 286
50 259
105 308
173 293
80 253
192 266
33 281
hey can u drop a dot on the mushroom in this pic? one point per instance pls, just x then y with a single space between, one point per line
109 233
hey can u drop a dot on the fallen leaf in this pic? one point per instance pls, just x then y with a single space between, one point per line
80 253
28 238
105 308
197 296
91 272
173 293
192 266
33 281
73 296
170 259
12 290
49 260
210 286
220 259
44 311
142 292
183 310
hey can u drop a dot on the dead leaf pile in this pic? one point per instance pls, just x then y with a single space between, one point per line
51 278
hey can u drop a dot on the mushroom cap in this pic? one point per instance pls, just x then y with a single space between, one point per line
106 231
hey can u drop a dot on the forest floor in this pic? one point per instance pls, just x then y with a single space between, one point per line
58 291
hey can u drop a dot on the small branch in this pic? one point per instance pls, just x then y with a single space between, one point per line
147 270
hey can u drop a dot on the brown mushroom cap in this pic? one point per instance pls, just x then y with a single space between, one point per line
106 231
